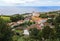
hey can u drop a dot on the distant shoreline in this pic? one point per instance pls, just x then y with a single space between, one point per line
10 10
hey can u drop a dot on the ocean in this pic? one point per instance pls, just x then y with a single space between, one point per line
10 10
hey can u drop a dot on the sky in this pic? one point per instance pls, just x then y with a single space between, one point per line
29 2
14 6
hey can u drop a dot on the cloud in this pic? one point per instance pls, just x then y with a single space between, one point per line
14 2
17 1
29 2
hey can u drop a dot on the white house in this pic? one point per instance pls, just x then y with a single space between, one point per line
20 21
35 13
26 32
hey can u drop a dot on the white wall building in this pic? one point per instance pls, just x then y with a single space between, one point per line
26 32
35 13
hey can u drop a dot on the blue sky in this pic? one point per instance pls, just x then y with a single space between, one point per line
29 2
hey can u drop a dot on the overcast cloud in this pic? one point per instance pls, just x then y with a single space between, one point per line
29 2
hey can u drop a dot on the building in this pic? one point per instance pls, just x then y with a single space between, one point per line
20 22
39 20
35 14
26 32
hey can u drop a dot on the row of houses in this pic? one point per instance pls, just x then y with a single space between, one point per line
34 17
39 23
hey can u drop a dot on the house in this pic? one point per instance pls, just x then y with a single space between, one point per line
39 20
27 14
10 23
49 18
35 14
20 21
38 26
26 19
26 32
14 24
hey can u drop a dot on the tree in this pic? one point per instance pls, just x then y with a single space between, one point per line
57 26
5 31
35 34
51 21
57 20
16 17
40 35
28 23
43 15
48 33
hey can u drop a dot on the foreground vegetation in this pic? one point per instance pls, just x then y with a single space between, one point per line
5 31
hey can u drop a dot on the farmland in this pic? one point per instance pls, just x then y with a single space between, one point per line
6 18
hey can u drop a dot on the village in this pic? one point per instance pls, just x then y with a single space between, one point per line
39 22
35 26
29 20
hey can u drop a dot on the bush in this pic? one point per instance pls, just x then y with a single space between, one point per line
5 31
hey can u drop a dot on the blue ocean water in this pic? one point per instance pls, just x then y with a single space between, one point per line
9 10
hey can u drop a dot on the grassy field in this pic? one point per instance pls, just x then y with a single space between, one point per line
5 18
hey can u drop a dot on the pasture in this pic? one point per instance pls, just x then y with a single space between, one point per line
6 18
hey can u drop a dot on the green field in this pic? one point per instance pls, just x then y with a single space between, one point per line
5 18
